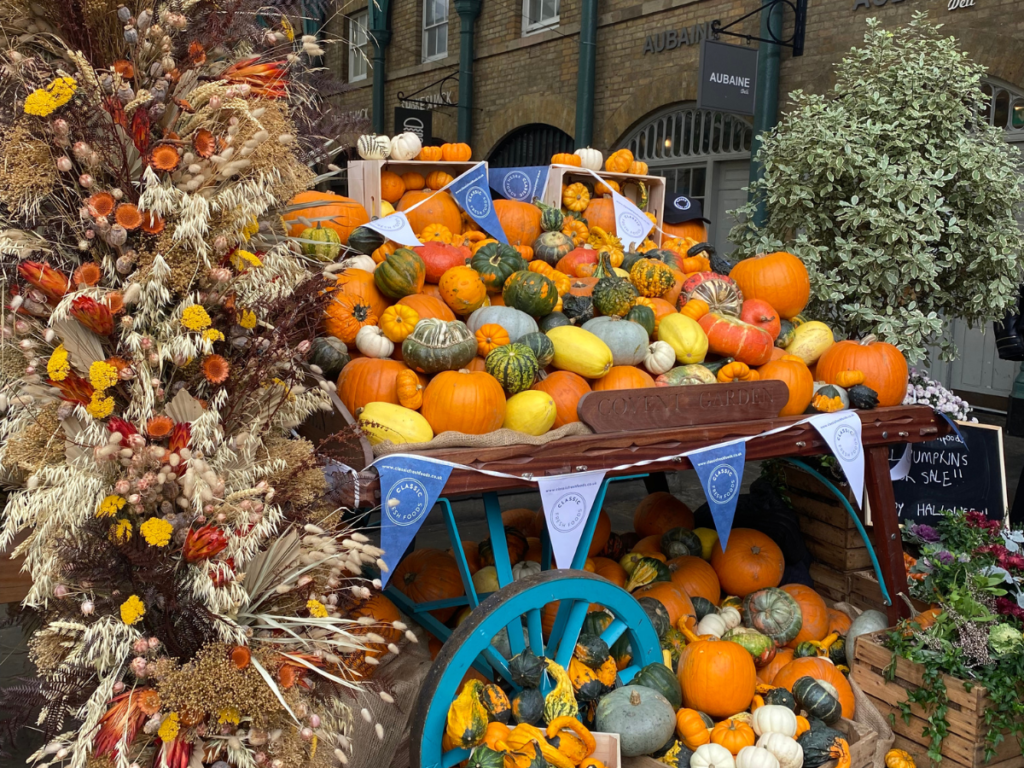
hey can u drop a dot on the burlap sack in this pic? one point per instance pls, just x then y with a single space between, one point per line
497 439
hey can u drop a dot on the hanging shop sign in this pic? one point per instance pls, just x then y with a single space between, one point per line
869 4
418 121
429 101
727 78
670 39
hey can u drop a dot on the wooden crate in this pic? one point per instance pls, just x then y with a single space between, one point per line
558 175
964 745
607 749
364 177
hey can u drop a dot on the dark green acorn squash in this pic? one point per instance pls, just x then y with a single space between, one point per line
657 613
805 650
677 542
661 679
820 744
703 607
530 292
782 697
365 240
812 696
496 262
862 397
514 366
485 757
551 246
591 650
837 651
553 320
528 706
541 347
526 669
578 309
401 274
597 622
629 258
642 316
330 355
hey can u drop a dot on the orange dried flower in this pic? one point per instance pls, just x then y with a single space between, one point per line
125 69
159 426
164 157
149 701
128 216
216 369
118 362
268 80
204 143
100 204
152 223
88 273
196 53
115 301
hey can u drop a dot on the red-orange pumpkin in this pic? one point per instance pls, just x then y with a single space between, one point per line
660 511
439 208
838 622
574 259
779 278
760 313
440 257
624 377
521 221
676 602
566 389
883 365
797 376
771 669
427 575
752 561
819 669
813 610
695 577
731 337
648 545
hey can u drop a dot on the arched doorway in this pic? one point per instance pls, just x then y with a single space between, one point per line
532 144
702 154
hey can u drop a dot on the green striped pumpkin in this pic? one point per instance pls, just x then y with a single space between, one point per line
326 243
541 346
531 293
514 366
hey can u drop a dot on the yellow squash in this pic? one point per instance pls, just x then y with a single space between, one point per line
386 421
810 340
685 336
531 412
580 352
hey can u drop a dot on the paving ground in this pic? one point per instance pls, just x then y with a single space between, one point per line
621 500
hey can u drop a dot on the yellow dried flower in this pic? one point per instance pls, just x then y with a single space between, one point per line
288 29
212 334
43 101
122 531
242 260
247 319
316 609
195 318
229 715
102 375
169 728
250 229
58 367
110 506
156 531
100 406
132 611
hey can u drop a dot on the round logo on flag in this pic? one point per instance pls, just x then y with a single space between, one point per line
516 185
847 444
478 203
569 512
630 225
391 223
682 203
406 502
723 484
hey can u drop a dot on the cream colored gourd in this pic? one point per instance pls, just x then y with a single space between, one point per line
712 624
373 147
785 748
660 358
731 616
486 580
590 158
532 412
685 336
756 757
405 146
712 756
810 340
525 568
372 342
580 352
386 421
774 718
362 262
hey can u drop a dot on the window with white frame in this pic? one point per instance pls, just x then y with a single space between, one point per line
358 64
539 15
435 29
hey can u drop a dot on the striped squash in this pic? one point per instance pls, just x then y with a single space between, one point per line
514 366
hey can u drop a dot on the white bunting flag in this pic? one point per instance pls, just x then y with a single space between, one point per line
568 501
395 227
842 433
631 224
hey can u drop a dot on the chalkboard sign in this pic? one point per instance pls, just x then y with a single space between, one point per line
950 473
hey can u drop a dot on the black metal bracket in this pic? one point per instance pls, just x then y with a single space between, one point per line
795 41
402 98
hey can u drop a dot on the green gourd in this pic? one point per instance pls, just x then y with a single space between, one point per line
613 296
401 274
643 718
787 332
862 397
774 613
326 243
837 651
591 650
365 240
642 316
551 220
819 744
553 320
330 355
660 678
513 365
438 345
781 697
541 347
496 262
526 669
485 757
657 613
551 246
674 642
530 292
677 542
819 702
528 706
579 309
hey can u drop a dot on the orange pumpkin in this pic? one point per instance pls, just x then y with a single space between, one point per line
369 380
779 278
695 577
359 284
813 610
428 306
611 570
456 153
430 154
694 230
521 221
489 337
439 208
819 669
601 213
734 735
717 677
477 364
691 728
619 161
661 308
695 309
413 180
648 545
331 211
528 521
660 511
391 186
346 315
566 389
574 259
676 602
731 337
439 179
463 401
624 377
427 575
838 622
566 158
637 168
752 561
791 370
883 365
768 672
463 290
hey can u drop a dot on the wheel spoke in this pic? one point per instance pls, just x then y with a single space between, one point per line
453 757
564 606
458 551
628 673
533 624
515 636
499 546
497 662
613 632
573 626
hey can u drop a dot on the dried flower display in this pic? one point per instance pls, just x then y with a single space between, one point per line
200 600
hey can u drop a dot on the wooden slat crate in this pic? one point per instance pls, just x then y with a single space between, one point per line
364 177
964 745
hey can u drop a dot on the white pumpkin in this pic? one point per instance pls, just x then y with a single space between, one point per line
525 568
785 748
372 342
756 757
590 158
712 756
362 262
731 616
660 358
373 147
712 624
774 718
405 146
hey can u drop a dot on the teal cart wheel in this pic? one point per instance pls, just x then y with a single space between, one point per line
470 646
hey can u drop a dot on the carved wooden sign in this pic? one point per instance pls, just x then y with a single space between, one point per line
630 410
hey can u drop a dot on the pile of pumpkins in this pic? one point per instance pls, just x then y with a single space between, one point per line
467 334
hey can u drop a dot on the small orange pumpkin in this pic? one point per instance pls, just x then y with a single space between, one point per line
413 180
734 735
490 337
566 158
456 153
430 154
438 179
619 162
391 186
463 290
